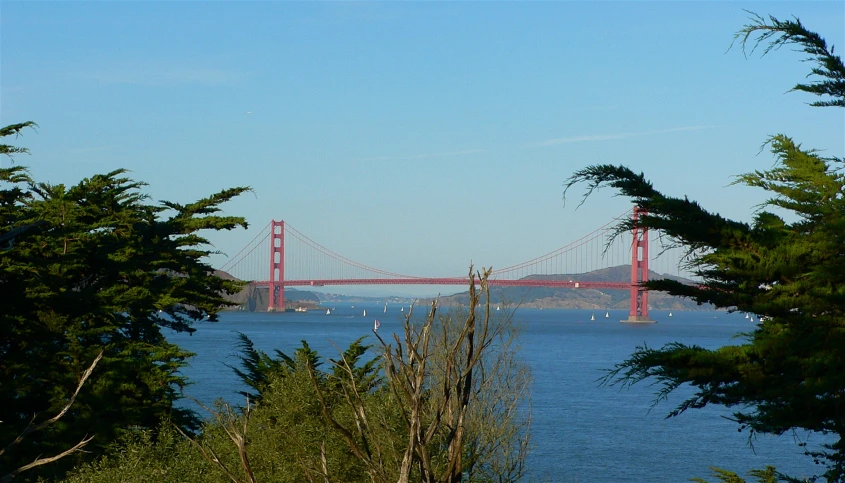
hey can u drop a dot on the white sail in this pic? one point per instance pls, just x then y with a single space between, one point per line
365 312
328 311
670 314
385 309
593 317
607 315
376 325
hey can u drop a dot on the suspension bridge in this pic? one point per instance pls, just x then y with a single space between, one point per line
281 256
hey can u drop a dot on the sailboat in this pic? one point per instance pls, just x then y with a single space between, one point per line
385 309
376 325
328 311
752 319
593 317
402 309
365 312
607 315
746 316
498 307
670 314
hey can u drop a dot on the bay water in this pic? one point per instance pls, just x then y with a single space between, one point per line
581 431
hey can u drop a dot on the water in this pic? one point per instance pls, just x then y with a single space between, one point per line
581 432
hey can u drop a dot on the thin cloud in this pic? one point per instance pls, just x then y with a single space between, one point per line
613 137
424 156
97 149
161 75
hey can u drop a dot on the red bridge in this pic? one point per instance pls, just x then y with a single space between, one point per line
295 260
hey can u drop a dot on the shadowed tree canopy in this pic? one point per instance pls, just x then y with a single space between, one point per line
97 267
787 266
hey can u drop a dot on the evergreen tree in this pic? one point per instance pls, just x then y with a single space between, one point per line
789 270
98 267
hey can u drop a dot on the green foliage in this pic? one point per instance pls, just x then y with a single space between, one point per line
140 456
829 67
290 435
790 270
288 439
97 267
769 475
14 129
258 367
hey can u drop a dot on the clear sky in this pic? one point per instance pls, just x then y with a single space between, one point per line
412 137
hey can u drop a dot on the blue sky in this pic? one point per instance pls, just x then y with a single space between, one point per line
413 137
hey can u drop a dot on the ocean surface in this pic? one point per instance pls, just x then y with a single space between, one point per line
581 431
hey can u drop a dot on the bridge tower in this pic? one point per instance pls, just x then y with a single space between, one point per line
276 292
639 272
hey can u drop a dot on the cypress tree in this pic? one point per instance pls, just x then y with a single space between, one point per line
789 374
97 267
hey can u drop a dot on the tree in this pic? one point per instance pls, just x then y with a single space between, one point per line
97 267
317 420
33 428
790 372
459 389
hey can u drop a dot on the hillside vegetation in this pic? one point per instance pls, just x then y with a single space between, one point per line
579 298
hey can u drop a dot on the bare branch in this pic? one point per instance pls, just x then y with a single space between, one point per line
31 428
43 461
227 420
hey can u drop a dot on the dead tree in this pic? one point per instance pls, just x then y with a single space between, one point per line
448 390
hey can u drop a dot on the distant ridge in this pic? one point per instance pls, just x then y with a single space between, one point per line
255 298
579 298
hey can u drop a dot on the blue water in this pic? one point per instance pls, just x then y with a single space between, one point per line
581 432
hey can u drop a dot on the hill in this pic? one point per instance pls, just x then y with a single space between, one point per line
579 298
256 299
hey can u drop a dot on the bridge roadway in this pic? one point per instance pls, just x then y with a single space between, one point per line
453 281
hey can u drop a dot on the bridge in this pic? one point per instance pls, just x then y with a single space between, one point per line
291 259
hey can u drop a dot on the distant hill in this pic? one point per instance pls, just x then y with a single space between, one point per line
579 298
256 299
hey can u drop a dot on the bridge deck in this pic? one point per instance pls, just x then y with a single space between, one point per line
453 281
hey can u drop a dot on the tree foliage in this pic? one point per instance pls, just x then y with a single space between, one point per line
768 475
282 438
98 267
787 266
350 419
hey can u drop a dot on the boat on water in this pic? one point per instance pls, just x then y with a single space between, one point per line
365 312
670 314
593 317
328 311
402 309
376 325
300 309
746 316
498 308
385 309
607 315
